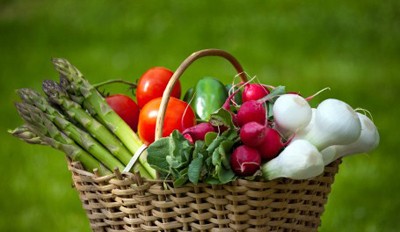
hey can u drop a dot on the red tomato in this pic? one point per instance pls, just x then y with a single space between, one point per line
126 108
152 84
179 115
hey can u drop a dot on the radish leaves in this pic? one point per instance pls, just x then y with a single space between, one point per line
206 161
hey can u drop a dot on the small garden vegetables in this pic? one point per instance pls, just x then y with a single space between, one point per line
254 91
251 111
179 116
208 96
366 142
245 161
291 113
299 160
216 134
152 83
270 134
126 108
252 134
335 123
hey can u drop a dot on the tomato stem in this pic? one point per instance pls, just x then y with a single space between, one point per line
132 85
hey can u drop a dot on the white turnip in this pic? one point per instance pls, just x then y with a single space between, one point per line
299 160
368 140
335 123
291 113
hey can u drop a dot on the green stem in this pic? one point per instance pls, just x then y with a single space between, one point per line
77 154
131 85
88 143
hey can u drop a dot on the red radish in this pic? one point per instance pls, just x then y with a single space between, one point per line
197 132
251 111
227 106
126 108
252 134
234 119
227 103
254 91
272 144
245 161
189 138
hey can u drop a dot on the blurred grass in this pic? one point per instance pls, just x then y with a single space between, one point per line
351 46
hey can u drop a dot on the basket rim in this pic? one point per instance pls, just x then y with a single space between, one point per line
76 167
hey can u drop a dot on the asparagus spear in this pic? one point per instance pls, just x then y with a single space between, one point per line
74 110
91 145
40 126
97 103
25 134
58 96
77 97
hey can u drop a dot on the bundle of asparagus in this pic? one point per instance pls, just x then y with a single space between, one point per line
74 117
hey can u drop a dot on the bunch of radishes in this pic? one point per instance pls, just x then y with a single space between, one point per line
282 136
260 142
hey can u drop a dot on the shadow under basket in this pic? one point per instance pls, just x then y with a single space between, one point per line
126 202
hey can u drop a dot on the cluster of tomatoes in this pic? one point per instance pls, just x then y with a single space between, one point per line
141 116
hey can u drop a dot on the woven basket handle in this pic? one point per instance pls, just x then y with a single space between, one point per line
178 73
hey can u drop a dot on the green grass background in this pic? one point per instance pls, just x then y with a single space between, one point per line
351 46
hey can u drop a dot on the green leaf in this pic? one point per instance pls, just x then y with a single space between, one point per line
199 149
216 157
225 175
195 168
212 180
209 138
221 117
157 153
208 162
180 150
224 149
173 162
270 114
273 95
180 180
215 143
204 161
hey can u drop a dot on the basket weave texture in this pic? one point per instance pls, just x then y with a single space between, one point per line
126 202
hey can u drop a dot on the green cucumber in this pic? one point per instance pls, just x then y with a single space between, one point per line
209 95
188 95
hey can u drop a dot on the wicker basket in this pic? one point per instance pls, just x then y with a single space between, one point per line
127 202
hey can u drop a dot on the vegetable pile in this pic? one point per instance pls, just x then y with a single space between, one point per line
217 133
256 131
